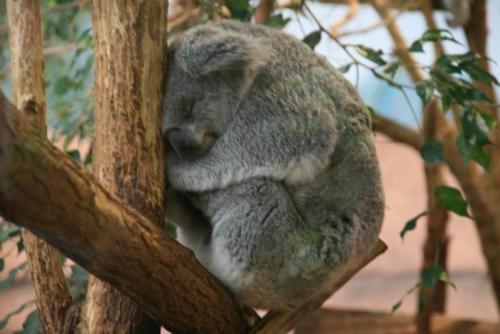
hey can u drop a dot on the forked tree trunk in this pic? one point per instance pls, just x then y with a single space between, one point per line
28 87
130 48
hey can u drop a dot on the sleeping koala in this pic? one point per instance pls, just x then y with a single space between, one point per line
276 185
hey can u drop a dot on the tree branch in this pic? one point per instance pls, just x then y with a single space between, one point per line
43 190
398 132
263 11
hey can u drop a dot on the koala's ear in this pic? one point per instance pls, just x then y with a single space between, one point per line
209 49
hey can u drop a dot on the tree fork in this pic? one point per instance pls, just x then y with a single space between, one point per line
42 189
25 40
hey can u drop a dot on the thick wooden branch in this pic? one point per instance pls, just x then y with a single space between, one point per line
283 322
43 190
25 40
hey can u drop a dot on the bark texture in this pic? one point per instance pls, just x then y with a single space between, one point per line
42 189
26 57
130 47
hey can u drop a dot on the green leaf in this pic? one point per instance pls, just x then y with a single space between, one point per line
391 69
88 158
171 229
75 155
475 153
77 282
277 21
396 306
371 54
411 224
432 151
7 234
473 132
400 302
5 320
435 35
431 275
445 102
20 246
446 280
425 89
477 73
451 199
2 264
32 324
345 68
416 47
12 276
62 85
240 9
313 39
488 119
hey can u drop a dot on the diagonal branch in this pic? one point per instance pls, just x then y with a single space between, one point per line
43 190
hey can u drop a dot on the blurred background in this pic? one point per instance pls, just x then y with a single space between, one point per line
376 65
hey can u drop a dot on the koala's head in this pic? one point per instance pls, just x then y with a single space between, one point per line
210 71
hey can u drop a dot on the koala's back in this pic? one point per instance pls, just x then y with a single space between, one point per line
290 68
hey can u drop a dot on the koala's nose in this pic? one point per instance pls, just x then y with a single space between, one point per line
185 146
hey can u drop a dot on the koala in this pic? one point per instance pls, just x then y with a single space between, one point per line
274 181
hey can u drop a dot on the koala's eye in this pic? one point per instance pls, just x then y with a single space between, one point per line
188 110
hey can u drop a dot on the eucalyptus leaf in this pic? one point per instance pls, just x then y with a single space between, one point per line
32 324
451 199
5 320
345 68
277 21
391 68
312 39
240 9
411 224
371 54
7 282
425 90
432 151
10 233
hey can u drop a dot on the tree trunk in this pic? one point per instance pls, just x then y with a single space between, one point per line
130 51
42 189
26 62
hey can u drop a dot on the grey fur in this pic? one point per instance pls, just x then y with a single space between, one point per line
291 185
